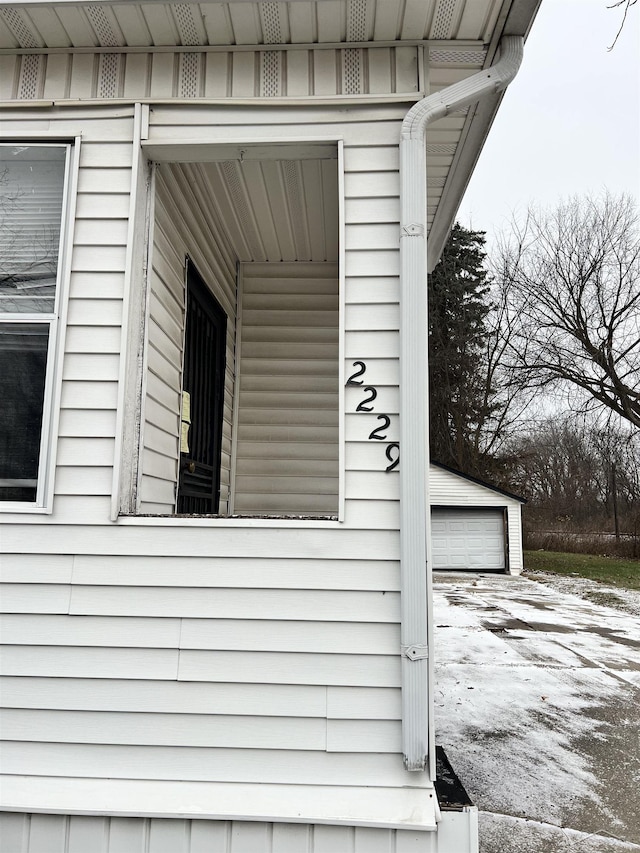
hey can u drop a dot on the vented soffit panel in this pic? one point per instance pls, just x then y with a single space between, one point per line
33 25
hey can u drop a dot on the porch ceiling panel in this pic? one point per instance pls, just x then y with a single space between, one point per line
69 23
272 210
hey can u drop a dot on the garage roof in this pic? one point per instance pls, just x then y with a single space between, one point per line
478 482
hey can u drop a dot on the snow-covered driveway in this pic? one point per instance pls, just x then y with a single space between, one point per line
538 707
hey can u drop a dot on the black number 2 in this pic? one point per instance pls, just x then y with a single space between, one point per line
389 454
352 379
386 423
372 396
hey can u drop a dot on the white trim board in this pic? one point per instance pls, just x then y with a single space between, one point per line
396 808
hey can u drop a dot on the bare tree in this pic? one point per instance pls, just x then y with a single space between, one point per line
625 5
580 475
510 403
570 279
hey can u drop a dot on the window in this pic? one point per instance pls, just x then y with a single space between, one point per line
240 412
32 184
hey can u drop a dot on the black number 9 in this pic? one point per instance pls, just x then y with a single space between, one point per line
389 454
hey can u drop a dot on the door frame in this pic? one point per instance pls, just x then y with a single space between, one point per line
196 286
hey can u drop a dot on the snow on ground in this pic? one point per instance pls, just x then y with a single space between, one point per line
537 705
509 834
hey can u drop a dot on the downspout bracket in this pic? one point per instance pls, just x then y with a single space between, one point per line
413 230
418 651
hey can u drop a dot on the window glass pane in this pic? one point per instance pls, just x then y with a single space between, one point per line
23 362
31 188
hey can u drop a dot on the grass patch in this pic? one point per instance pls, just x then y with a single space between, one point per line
604 599
609 570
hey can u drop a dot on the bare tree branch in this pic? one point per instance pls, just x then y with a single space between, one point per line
571 280
627 4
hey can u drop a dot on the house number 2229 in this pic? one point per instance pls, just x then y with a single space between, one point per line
392 451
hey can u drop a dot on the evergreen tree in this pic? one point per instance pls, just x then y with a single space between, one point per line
458 309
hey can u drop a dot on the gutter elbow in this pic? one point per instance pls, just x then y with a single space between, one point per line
511 53
491 80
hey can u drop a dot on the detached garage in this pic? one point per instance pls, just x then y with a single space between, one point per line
474 526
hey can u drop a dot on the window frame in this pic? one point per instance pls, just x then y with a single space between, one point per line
126 484
55 321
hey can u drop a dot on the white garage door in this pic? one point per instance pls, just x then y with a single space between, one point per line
468 539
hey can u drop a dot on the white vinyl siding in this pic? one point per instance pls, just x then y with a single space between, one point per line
284 633
287 431
79 834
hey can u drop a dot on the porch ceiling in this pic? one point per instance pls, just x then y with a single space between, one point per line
69 23
265 209
276 210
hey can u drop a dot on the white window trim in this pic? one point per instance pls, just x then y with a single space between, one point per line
57 322
130 405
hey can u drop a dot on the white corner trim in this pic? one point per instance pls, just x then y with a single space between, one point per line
124 468
231 499
342 290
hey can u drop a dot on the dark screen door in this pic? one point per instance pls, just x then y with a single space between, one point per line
203 399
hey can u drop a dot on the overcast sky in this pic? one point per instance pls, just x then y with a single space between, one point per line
570 121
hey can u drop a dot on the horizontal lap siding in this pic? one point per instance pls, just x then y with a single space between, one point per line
90 369
240 659
311 541
372 321
266 655
206 764
280 572
287 453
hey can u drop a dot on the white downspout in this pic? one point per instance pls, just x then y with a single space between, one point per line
417 735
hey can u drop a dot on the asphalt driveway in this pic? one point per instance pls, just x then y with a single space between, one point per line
538 708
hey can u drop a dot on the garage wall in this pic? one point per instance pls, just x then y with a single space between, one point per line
449 489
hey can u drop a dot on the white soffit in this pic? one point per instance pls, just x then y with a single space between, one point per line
271 210
68 23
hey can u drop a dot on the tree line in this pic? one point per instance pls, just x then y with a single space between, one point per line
534 362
